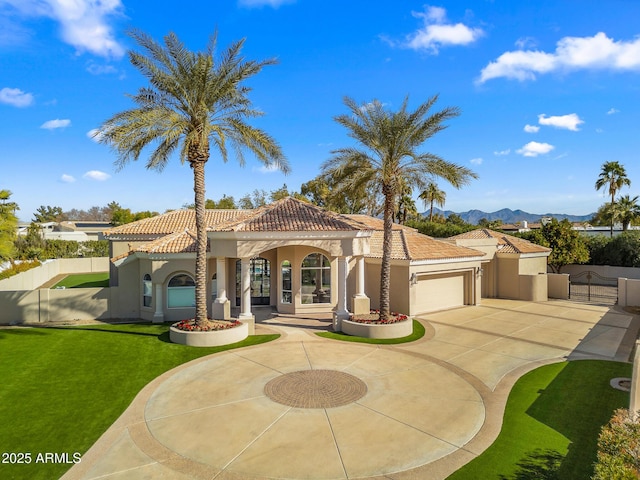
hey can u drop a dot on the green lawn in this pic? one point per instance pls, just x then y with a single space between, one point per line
551 424
84 280
418 332
62 387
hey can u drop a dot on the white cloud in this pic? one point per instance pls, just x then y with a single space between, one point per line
612 111
476 161
572 53
96 175
569 122
95 69
525 42
57 123
94 134
266 169
84 23
15 97
437 33
531 128
67 178
501 153
533 149
263 3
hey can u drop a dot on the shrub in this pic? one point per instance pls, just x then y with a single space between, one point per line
18 268
619 448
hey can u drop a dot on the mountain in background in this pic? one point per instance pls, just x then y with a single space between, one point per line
509 216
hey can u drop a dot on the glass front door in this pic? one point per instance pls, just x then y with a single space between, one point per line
260 273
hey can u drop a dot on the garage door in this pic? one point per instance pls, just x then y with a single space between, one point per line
439 292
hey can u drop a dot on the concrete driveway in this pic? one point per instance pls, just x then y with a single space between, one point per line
411 411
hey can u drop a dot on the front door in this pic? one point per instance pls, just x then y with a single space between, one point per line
260 271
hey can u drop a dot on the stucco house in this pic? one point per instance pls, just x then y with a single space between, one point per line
299 258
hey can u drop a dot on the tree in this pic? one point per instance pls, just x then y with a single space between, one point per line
432 195
8 226
567 245
627 210
280 193
388 158
619 448
614 177
491 224
325 192
195 100
48 214
253 200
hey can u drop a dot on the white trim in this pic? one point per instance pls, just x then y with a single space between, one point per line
440 261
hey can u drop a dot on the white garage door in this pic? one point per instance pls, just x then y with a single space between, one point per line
439 292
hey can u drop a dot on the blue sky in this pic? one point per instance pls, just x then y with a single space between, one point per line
548 91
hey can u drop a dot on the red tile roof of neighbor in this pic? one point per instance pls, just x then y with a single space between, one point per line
506 243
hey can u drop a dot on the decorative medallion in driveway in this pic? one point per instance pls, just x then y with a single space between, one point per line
306 407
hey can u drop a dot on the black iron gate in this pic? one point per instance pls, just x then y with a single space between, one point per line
590 287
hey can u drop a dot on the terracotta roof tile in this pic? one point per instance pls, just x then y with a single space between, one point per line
289 215
411 245
170 222
179 242
506 243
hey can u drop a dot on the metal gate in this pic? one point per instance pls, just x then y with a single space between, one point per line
590 287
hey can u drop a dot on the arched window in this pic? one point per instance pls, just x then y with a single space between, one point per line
316 279
181 291
287 295
147 289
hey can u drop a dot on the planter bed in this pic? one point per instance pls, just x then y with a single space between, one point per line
211 338
373 330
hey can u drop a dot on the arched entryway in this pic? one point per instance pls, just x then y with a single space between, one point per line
260 271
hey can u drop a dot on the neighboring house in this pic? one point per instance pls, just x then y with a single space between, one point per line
79 231
299 258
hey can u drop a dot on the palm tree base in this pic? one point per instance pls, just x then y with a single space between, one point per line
359 328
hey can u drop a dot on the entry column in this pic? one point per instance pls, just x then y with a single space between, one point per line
221 305
341 312
158 315
360 303
245 294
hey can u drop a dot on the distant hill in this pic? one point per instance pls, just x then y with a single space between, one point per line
509 216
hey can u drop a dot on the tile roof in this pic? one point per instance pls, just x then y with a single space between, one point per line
289 215
506 243
180 242
411 245
170 222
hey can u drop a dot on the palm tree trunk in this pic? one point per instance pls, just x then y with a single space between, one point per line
431 212
613 194
385 268
201 232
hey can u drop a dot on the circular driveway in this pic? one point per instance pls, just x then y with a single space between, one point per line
216 413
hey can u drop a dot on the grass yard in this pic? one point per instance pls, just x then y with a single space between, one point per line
418 332
551 423
84 280
62 387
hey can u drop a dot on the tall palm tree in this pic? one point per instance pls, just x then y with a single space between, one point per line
430 195
613 176
387 156
194 101
627 210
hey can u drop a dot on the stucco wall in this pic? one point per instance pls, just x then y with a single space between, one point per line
69 305
533 288
604 271
558 285
628 292
508 283
399 292
34 278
